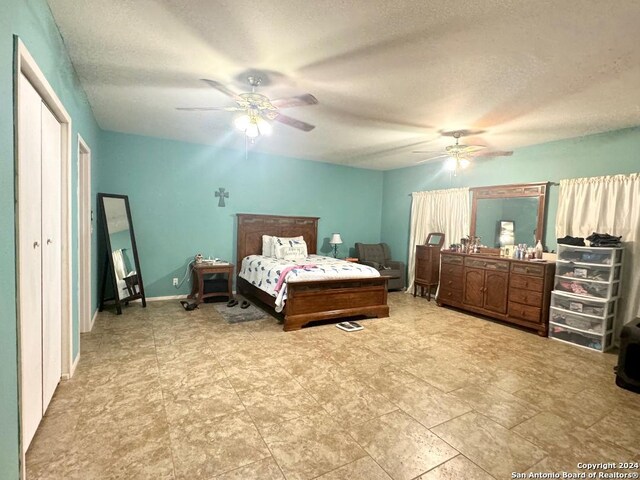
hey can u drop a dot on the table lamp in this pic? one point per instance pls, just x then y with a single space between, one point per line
335 241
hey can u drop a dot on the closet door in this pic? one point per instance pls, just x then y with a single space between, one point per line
30 257
51 256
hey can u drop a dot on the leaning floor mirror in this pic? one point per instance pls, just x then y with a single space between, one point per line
122 277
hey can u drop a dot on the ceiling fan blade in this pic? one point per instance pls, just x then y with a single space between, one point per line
221 88
298 101
292 122
467 149
495 153
207 109
433 158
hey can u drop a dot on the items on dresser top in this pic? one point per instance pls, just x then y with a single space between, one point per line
511 290
584 302
569 240
604 240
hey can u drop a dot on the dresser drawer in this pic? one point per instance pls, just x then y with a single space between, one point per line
451 271
451 282
447 294
527 269
487 263
525 312
451 259
528 297
527 282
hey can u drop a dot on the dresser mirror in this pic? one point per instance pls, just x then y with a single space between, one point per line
506 215
121 255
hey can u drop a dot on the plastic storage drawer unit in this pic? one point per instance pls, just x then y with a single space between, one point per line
594 341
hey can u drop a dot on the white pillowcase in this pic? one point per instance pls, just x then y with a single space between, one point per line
269 243
291 249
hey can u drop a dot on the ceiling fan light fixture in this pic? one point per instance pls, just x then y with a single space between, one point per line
252 130
451 164
242 122
264 127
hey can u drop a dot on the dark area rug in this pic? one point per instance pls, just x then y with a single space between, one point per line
239 315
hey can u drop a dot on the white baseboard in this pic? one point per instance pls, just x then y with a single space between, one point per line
166 297
67 376
93 320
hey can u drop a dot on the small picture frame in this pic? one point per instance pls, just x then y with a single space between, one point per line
435 240
580 272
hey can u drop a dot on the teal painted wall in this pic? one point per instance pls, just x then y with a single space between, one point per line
32 21
603 154
171 188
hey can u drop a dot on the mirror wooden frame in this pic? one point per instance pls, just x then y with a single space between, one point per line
512 191
109 267
431 236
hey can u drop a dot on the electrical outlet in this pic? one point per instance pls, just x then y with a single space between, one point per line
175 282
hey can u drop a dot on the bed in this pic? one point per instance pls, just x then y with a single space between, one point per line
307 301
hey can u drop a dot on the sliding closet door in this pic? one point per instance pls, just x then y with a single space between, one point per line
51 256
30 257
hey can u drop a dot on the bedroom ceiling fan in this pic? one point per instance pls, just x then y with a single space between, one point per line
459 155
256 110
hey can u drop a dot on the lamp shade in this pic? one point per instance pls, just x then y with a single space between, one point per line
335 239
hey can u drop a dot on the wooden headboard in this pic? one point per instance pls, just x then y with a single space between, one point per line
251 228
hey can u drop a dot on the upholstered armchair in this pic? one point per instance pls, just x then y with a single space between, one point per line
378 256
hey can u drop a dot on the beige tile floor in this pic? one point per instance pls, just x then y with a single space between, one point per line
428 393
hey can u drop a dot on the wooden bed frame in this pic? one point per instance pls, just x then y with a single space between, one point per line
313 300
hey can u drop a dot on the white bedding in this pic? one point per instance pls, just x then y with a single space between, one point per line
263 272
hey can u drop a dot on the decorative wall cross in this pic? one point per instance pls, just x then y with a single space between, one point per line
222 195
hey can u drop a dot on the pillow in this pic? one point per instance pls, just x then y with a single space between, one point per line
290 249
267 245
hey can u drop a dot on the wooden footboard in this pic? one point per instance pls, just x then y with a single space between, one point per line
326 299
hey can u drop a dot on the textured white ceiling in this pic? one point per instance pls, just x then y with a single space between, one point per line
389 75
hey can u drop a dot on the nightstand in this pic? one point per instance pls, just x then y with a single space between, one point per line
200 270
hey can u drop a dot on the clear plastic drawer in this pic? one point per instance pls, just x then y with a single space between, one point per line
580 322
590 307
586 288
587 340
589 255
590 273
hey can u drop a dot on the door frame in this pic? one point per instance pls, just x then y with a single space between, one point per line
85 231
26 64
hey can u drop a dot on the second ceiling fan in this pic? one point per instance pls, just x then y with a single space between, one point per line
460 155
257 109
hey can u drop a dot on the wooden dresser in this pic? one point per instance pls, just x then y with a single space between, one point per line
427 269
515 291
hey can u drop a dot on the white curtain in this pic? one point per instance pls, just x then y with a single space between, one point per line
444 211
607 205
